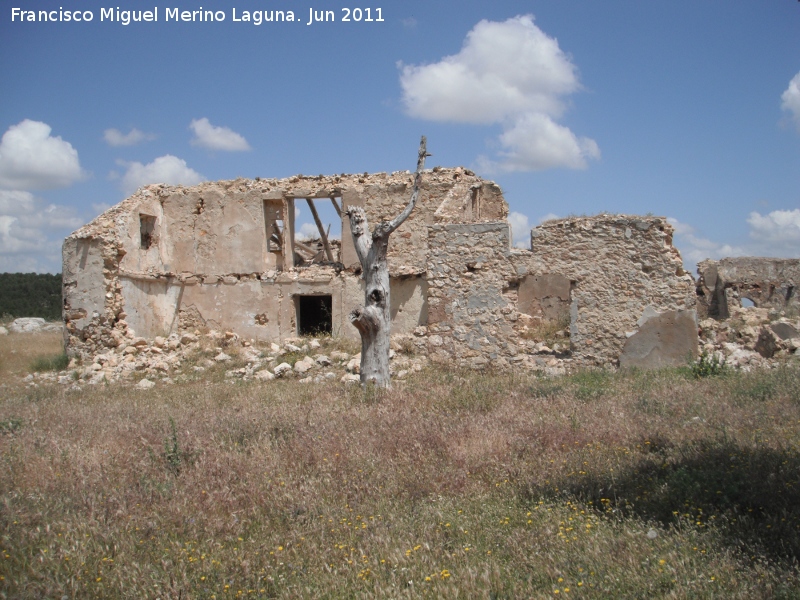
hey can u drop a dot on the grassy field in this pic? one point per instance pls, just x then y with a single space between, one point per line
451 485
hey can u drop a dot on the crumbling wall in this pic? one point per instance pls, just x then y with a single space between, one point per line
617 266
767 282
223 254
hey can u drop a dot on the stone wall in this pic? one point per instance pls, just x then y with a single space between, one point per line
470 318
617 266
767 282
222 255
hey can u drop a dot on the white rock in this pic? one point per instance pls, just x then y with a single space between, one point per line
314 344
354 366
350 378
264 375
145 384
222 357
283 369
3 331
27 325
292 348
323 360
302 366
188 338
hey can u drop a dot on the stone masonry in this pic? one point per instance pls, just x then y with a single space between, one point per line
223 256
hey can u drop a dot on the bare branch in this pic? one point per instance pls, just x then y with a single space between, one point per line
387 228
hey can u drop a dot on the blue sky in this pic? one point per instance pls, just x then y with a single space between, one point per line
683 108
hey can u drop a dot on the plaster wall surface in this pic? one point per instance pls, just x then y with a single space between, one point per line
209 257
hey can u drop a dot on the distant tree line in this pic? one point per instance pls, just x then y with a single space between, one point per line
30 295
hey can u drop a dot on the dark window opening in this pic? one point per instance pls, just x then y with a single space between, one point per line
147 227
314 315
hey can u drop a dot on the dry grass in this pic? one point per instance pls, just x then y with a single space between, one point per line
451 485
18 352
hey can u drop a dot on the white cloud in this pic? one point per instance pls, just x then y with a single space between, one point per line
164 169
31 232
31 159
114 137
536 142
791 99
520 230
778 231
775 234
308 231
511 73
217 138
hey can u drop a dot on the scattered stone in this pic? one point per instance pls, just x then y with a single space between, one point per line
784 331
767 343
283 369
304 365
264 375
351 378
188 338
222 357
322 360
145 384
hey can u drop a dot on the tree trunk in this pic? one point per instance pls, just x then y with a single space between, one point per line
373 320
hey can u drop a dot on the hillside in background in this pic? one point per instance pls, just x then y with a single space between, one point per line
30 295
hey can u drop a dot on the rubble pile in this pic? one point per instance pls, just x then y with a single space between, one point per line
751 338
185 357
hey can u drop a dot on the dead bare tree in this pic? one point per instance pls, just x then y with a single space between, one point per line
373 320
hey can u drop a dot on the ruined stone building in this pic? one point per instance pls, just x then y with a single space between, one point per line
226 255
765 282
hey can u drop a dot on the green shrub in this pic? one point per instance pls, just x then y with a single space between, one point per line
707 365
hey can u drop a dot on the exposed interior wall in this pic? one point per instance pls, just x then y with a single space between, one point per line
767 282
225 255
